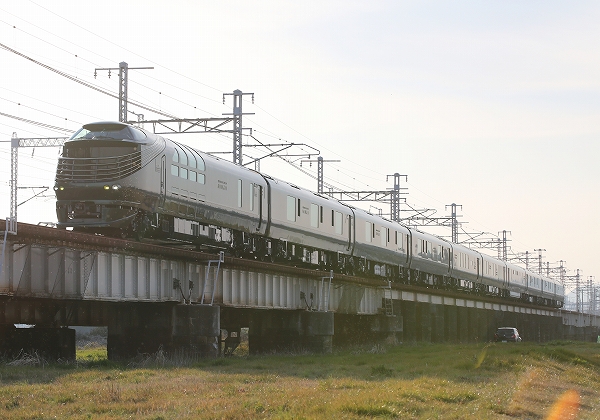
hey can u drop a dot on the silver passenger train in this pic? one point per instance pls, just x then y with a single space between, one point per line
117 179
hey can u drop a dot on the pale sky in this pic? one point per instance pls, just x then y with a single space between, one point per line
491 105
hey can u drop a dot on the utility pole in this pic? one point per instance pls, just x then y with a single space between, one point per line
577 299
320 163
14 163
562 272
395 198
123 76
453 220
590 293
237 123
15 143
539 251
377 196
504 244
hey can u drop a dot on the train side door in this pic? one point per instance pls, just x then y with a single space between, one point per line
350 232
163 181
258 191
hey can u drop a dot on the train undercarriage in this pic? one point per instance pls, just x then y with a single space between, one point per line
181 232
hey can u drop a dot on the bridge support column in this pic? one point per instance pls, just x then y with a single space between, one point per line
387 327
196 330
437 323
424 322
352 329
135 329
483 327
409 315
280 330
451 323
473 324
462 324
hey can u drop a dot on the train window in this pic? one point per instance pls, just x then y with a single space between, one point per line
175 156
183 173
239 197
368 231
314 215
332 218
200 163
192 176
299 207
321 213
183 157
174 170
192 160
251 202
396 237
201 178
338 223
291 208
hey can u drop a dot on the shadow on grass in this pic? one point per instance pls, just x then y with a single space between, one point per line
466 363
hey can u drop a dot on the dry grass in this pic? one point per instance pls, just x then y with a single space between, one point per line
508 381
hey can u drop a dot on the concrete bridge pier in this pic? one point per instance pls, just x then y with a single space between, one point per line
135 329
437 324
462 324
352 329
473 324
484 326
451 323
409 314
196 330
290 330
424 321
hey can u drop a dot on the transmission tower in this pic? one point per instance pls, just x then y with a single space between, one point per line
539 251
453 220
387 196
577 291
503 242
15 143
123 76
237 123
320 163
395 198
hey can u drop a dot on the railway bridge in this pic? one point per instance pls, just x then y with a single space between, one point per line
174 298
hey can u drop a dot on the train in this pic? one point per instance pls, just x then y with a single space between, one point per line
114 178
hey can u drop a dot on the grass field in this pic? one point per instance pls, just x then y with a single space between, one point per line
424 381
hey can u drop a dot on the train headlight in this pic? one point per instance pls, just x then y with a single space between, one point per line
116 187
106 187
55 188
61 188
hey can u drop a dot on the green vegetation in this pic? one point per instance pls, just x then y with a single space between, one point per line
519 381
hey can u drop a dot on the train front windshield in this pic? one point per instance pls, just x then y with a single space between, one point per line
110 131
100 140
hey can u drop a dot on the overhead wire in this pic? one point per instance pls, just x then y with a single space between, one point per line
120 46
170 116
81 82
45 102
